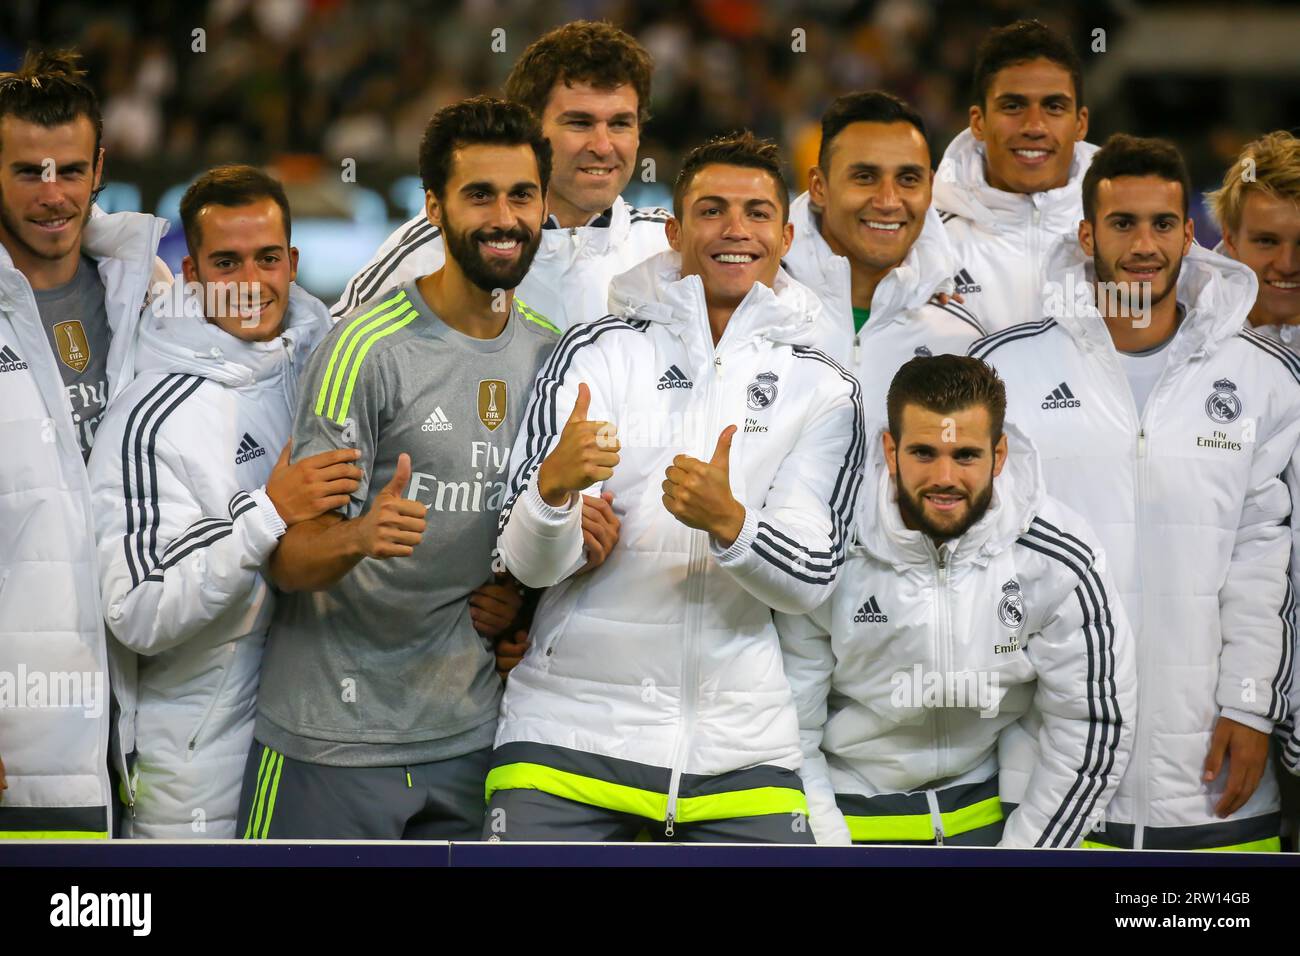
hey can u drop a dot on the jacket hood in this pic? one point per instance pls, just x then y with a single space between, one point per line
655 290
961 187
927 268
174 337
1018 495
1217 293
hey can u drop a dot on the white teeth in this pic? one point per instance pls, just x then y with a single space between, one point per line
886 226
738 257
597 172
54 223
503 243
1031 153
1277 284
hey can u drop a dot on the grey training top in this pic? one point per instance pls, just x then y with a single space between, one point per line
385 668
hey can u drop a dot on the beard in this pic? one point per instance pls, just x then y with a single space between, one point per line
12 224
463 247
912 509
1133 293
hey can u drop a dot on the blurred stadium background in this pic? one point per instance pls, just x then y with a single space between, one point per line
303 85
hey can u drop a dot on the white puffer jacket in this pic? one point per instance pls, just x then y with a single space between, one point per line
568 282
184 529
1003 240
1190 501
55 744
924 657
662 666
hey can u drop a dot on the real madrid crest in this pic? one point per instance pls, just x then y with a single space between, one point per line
1223 405
1011 609
762 391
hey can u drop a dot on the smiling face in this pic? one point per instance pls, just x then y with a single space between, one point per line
874 193
1268 241
246 264
1029 123
594 135
492 213
732 233
1140 235
943 466
47 178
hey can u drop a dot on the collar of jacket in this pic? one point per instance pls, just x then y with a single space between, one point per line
927 268
174 337
605 232
1216 292
1018 495
961 187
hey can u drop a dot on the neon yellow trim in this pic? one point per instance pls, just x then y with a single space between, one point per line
255 812
920 826
410 317
1269 845
275 788
53 834
534 316
338 347
758 801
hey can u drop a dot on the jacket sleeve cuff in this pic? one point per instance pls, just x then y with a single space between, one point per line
735 554
1253 721
271 519
548 516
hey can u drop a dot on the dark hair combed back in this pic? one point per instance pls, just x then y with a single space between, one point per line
945 384
477 120
232 185
49 90
1125 155
584 51
737 149
1021 42
873 106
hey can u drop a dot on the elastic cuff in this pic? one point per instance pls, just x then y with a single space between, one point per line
271 519
549 514
1253 721
740 547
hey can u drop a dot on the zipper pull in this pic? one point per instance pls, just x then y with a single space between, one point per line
668 826
857 350
1142 443
717 365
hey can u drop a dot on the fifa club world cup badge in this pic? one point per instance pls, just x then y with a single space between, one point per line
1011 609
492 403
1223 405
762 391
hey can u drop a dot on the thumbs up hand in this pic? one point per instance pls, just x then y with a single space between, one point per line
698 493
394 524
585 454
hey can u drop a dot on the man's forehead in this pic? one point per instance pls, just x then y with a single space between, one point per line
966 425
498 163
739 184
1032 78
256 224
1145 194
880 144
1263 210
582 96
64 141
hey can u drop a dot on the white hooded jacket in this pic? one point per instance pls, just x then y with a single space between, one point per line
185 528
925 656
1190 502
1003 240
55 743
567 283
660 669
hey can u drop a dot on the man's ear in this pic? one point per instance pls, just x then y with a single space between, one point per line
99 169
1086 238
673 230
1081 129
432 208
817 187
977 123
891 451
1230 243
999 454
188 270
293 263
1189 234
787 237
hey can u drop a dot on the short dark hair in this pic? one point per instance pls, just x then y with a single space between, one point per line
1125 155
944 384
585 51
49 90
736 149
872 106
230 185
1021 42
479 119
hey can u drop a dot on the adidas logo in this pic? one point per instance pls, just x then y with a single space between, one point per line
437 422
870 613
674 378
965 283
9 360
1061 397
248 450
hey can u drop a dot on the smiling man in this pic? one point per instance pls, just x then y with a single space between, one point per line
589 85
1008 187
653 695
73 283
1171 429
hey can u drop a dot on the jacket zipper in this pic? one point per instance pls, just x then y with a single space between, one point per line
944 658
226 668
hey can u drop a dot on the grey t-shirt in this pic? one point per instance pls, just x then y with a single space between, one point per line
76 324
385 668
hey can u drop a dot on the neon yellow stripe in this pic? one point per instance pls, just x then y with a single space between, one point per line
757 801
533 316
275 788
343 340
53 834
411 316
1269 845
263 778
920 826
348 362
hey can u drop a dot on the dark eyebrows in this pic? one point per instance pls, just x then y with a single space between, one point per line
626 115
235 254
487 187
